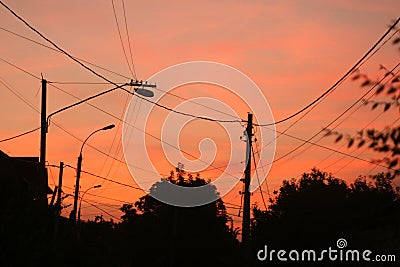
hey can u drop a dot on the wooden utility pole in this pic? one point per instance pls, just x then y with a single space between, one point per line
57 210
59 191
43 130
246 199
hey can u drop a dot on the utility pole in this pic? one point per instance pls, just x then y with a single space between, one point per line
78 177
43 130
57 209
59 191
44 122
246 199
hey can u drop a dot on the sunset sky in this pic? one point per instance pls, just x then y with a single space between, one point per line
292 50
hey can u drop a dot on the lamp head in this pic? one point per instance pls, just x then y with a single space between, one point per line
108 127
144 92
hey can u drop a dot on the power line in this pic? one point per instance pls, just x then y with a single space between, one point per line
80 83
63 129
333 87
129 41
120 38
350 114
119 145
184 113
51 48
21 69
55 45
198 104
104 178
95 83
262 168
312 108
205 118
110 198
321 161
19 135
97 207
258 178
350 71
338 117
348 163
95 195
232 204
325 147
174 146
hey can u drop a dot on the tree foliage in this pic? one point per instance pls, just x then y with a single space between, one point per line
195 236
318 209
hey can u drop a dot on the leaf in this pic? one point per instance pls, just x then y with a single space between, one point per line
351 142
380 89
387 106
384 148
373 144
355 77
393 163
397 40
396 79
375 105
391 90
339 138
362 142
327 133
367 82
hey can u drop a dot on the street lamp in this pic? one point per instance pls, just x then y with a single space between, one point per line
78 171
80 202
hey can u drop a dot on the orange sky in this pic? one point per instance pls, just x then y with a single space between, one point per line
293 50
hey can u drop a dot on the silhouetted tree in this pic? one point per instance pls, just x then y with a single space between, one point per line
318 209
163 235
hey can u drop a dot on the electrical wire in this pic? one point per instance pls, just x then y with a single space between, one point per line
97 207
19 135
53 49
348 163
350 114
184 113
369 123
327 126
129 41
120 38
258 179
193 156
262 168
62 128
327 148
21 69
95 83
104 178
55 45
350 71
312 108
